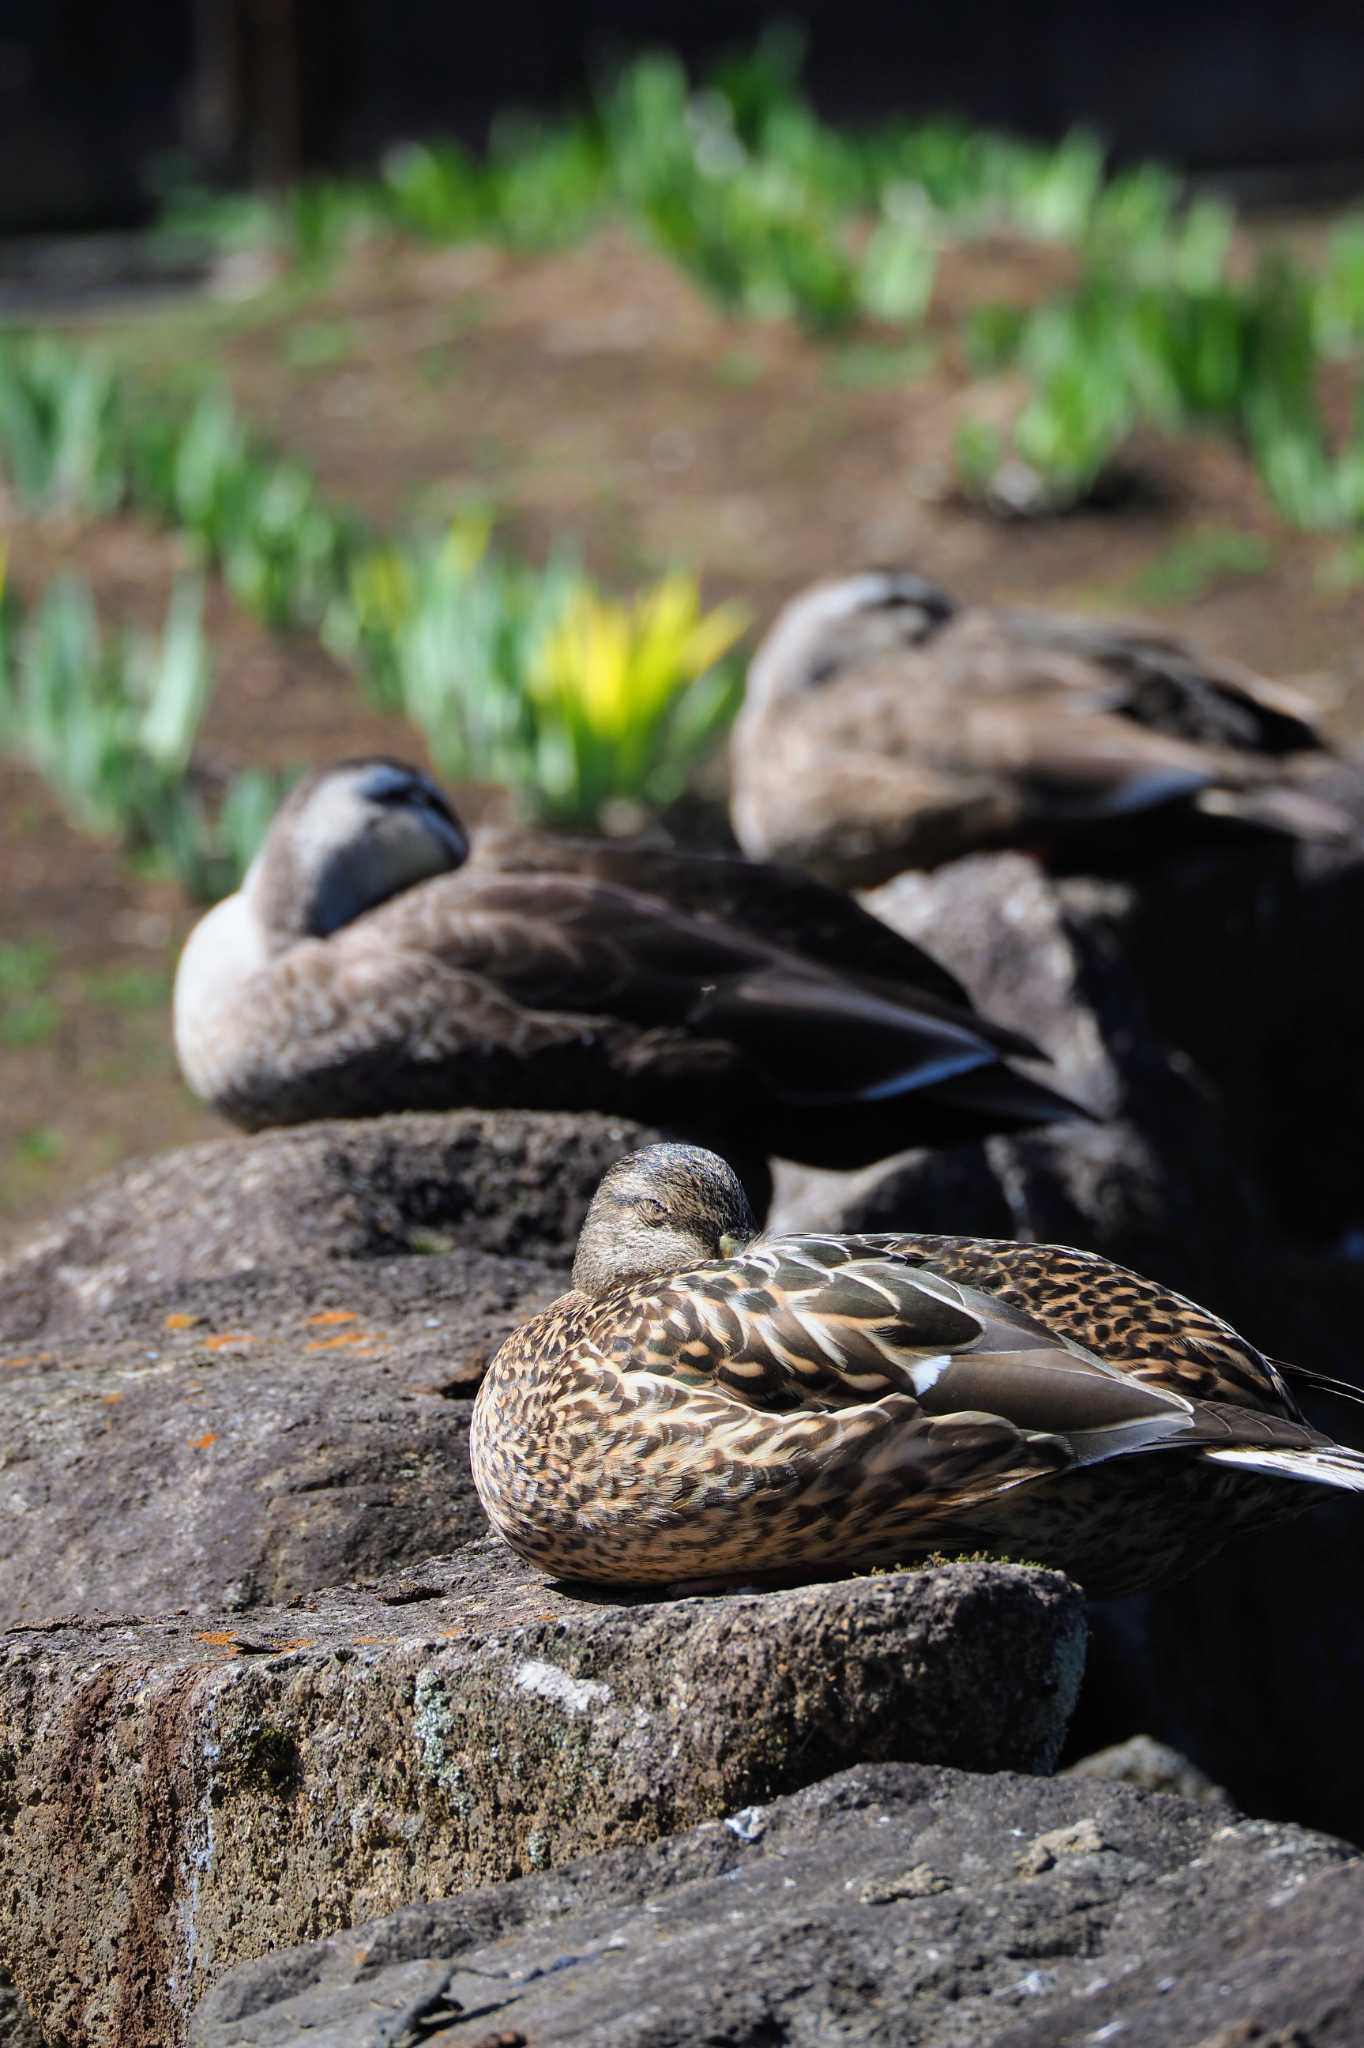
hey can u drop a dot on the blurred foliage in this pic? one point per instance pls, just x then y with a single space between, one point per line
1198 562
534 679
737 178
528 677
75 438
59 427
1192 348
260 517
778 214
627 697
110 722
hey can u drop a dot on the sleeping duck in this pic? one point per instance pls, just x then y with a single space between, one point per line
884 727
370 962
710 1404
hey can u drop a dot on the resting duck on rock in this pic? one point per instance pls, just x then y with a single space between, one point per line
368 963
885 727
710 1404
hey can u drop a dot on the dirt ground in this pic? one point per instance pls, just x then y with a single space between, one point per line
595 398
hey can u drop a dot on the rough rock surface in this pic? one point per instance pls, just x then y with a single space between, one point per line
283 1434
887 1905
175 1797
231 1376
510 1182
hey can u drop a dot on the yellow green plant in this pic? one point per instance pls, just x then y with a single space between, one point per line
629 694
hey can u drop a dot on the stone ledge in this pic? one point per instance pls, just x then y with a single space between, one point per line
177 1795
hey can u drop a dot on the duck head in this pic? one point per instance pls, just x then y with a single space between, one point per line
839 624
348 838
661 1211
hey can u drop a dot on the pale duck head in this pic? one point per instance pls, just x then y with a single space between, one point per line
345 840
661 1211
839 624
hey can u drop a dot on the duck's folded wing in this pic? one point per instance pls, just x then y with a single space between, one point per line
564 944
779 905
798 1324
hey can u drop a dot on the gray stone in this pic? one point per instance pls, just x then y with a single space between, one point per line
1158 1184
176 1797
509 1182
892 1904
287 1432
243 1371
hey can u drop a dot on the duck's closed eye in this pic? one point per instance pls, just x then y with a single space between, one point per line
652 1212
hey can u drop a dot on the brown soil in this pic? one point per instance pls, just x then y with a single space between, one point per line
598 399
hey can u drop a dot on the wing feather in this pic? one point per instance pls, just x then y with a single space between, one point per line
789 1324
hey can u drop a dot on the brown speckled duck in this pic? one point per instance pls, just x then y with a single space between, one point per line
710 1404
369 963
885 727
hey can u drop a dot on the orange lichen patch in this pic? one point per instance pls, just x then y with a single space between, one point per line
297 1643
201 1443
178 1320
30 1359
447 1635
217 1638
365 1642
228 1337
359 1958
361 1337
110 1400
326 1317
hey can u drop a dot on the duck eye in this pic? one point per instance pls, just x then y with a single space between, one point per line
652 1212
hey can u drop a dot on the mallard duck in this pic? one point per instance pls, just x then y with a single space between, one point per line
710 1404
884 727
367 963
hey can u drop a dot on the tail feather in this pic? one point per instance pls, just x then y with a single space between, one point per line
1322 1465
1321 1382
1000 1092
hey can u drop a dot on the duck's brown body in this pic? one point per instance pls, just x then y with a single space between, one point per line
366 966
826 1403
887 728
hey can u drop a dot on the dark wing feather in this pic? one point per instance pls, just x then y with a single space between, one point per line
779 906
564 944
1137 1325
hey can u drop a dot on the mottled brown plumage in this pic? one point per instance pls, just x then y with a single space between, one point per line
815 1403
366 965
885 727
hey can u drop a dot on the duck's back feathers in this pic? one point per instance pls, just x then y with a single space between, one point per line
1006 727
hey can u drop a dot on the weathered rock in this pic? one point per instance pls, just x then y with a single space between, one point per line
887 1905
282 1434
230 1379
175 1798
513 1183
